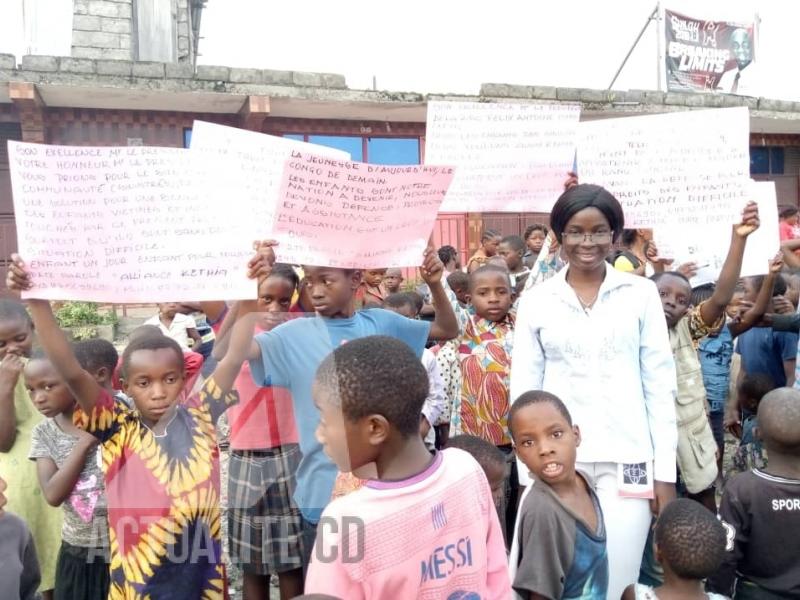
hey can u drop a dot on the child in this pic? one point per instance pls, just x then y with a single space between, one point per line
760 511
291 353
423 526
535 236
690 545
490 240
176 325
559 547
68 464
404 304
100 358
160 461
17 420
19 567
392 280
449 257
263 521
491 460
696 445
458 281
512 249
371 292
750 454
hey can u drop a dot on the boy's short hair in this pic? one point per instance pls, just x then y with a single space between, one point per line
535 227
376 375
656 277
447 253
399 300
787 211
586 195
417 299
779 420
537 397
144 331
488 268
95 354
485 453
756 386
778 288
12 310
458 279
690 538
150 342
514 241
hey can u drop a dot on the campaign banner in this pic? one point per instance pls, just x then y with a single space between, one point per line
709 56
344 214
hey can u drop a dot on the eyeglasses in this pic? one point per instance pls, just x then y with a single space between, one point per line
598 237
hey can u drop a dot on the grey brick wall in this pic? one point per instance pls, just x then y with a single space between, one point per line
103 29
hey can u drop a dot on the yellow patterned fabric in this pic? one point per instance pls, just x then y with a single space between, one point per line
163 498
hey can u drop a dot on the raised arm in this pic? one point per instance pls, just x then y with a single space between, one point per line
445 324
790 258
83 386
753 316
714 307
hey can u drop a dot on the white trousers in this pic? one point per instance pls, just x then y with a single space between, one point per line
627 523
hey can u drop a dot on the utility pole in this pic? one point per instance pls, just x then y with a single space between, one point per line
655 15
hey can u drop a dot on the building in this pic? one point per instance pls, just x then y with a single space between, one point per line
99 97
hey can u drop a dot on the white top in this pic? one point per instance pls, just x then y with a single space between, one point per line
177 329
434 403
611 365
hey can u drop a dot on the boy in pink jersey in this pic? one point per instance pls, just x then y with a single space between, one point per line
422 526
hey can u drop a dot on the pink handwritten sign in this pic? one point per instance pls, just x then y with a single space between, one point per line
355 215
134 224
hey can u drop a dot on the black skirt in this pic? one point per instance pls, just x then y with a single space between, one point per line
81 573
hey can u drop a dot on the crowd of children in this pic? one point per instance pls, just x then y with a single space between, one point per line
547 422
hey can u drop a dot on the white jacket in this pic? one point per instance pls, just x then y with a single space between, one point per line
611 365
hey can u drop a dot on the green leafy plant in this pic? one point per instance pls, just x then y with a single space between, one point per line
82 314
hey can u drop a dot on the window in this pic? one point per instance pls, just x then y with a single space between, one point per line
393 151
187 137
766 160
350 144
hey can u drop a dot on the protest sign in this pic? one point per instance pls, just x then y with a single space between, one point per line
258 161
708 246
355 215
508 157
682 168
134 224
710 56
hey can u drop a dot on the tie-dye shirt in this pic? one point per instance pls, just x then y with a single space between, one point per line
163 498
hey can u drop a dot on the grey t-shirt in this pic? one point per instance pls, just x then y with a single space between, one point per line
559 556
85 511
19 567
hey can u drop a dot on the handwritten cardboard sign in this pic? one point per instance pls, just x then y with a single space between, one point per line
688 168
356 215
707 246
508 157
133 224
258 160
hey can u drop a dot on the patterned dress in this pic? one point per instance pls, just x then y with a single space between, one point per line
163 498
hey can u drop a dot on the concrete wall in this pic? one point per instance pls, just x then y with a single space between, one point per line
146 30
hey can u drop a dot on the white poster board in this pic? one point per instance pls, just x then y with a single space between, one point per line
681 168
259 161
708 246
132 224
508 157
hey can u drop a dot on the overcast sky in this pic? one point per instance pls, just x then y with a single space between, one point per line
455 45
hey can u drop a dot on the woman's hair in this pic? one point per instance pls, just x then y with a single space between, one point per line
690 538
535 227
489 234
11 310
585 196
629 236
788 211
